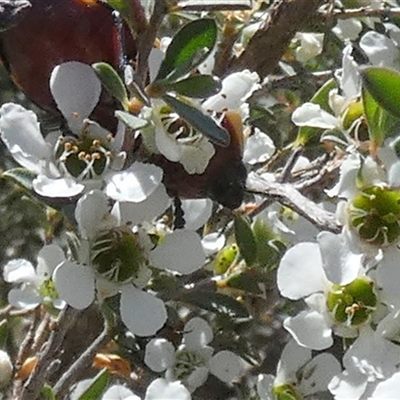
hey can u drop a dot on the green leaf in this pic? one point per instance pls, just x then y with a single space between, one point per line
245 240
190 46
374 115
216 302
321 97
244 280
47 393
130 120
124 8
384 86
96 387
21 176
197 86
199 121
267 251
112 82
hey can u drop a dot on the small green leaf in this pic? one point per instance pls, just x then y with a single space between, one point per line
373 114
268 253
112 82
96 387
244 280
199 121
130 120
124 7
197 86
321 97
384 86
190 46
47 393
245 240
21 176
216 302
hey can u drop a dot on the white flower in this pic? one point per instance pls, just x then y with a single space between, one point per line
236 89
381 49
299 373
309 270
311 45
370 359
310 114
64 165
258 148
105 271
36 285
347 29
174 138
194 359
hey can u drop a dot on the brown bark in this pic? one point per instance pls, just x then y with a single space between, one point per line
267 46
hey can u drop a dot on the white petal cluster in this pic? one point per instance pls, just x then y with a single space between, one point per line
193 360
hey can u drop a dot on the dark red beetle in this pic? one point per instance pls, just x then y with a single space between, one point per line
51 32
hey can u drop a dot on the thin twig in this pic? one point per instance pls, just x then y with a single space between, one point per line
287 195
267 46
362 12
147 38
82 363
35 382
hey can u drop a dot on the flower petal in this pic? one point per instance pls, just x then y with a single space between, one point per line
76 90
258 148
48 258
300 271
310 114
348 385
198 333
236 88
310 329
141 312
19 271
293 358
318 373
90 211
160 355
340 264
146 210
196 212
388 389
75 284
134 184
119 392
265 386
181 251
161 389
226 366
55 188
21 134
23 299
213 242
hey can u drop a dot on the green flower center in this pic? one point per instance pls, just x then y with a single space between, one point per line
83 157
375 214
186 363
352 304
48 291
117 255
286 392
